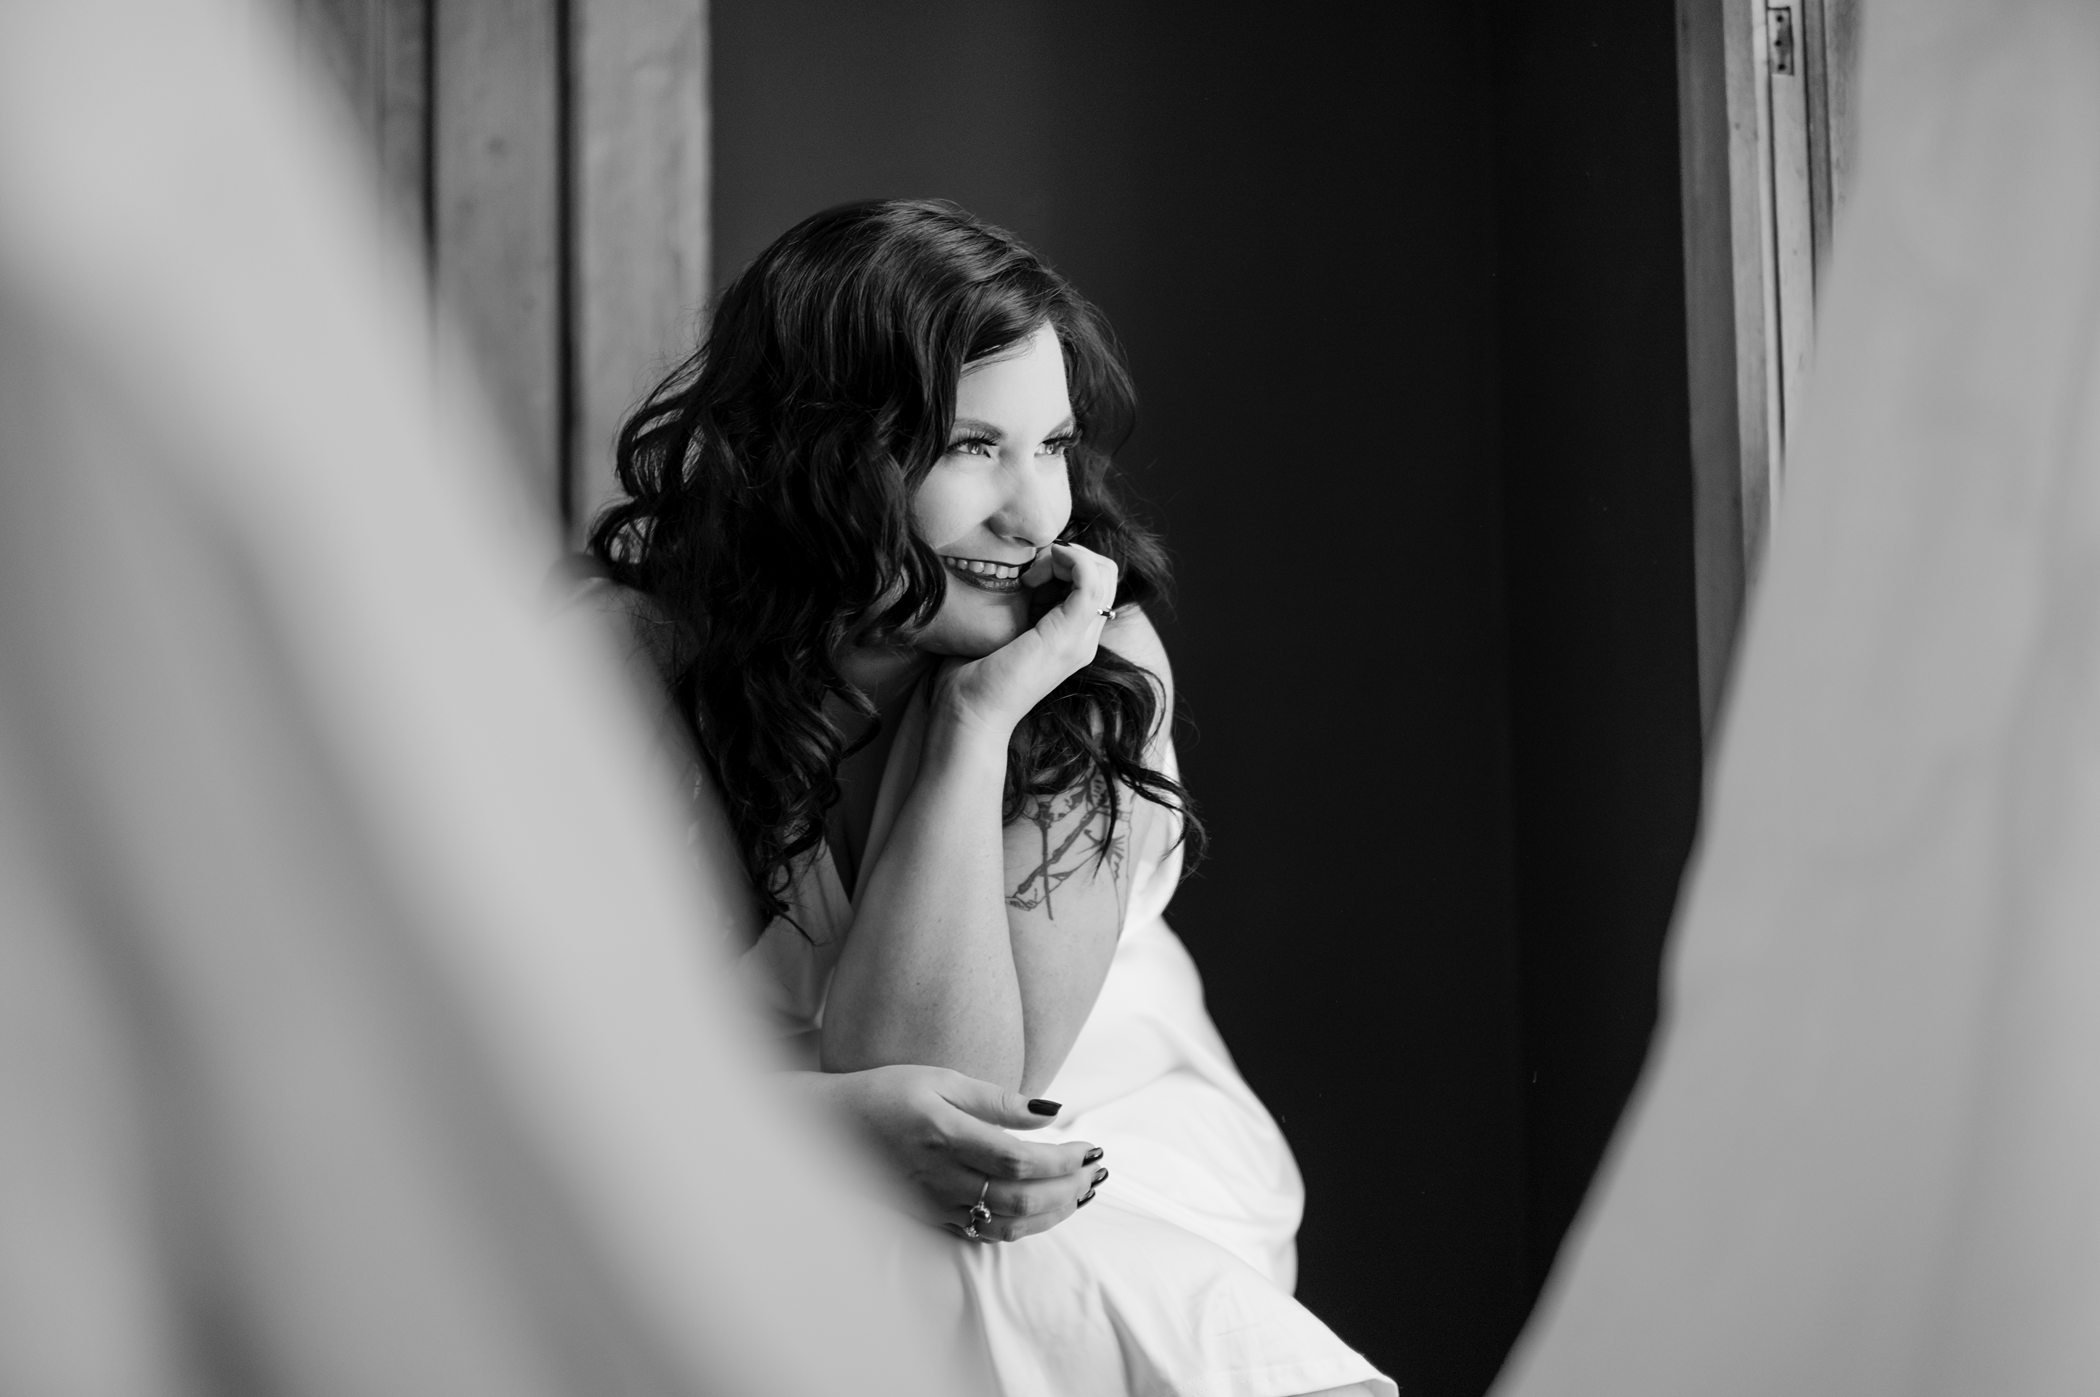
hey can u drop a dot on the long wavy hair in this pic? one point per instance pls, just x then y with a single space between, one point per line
769 482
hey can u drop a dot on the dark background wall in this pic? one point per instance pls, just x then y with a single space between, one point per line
1596 474
1401 286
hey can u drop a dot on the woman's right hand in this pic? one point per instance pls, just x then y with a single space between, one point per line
940 1131
997 691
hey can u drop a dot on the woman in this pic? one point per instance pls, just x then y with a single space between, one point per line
881 572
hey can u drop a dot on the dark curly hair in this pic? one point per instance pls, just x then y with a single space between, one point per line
769 482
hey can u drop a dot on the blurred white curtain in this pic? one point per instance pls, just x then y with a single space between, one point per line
357 1033
1866 1157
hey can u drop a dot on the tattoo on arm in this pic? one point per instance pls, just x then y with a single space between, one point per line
1085 838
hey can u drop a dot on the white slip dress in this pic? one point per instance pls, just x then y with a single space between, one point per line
1176 1280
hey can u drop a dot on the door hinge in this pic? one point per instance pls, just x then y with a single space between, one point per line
1779 31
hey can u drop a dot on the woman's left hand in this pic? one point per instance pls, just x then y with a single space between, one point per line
947 1138
997 691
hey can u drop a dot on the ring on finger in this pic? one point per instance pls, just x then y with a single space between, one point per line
1106 613
980 1212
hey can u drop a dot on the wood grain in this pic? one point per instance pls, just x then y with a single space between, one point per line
641 192
496 214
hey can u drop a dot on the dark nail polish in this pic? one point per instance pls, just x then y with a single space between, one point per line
1044 1108
1092 1155
1086 1198
1100 1176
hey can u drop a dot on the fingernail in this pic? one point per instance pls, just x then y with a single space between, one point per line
1087 1198
1100 1176
1092 1155
1044 1108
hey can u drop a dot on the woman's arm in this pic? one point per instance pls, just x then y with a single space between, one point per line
1068 882
927 972
940 1134
978 948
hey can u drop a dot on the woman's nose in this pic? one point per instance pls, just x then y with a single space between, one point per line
1037 502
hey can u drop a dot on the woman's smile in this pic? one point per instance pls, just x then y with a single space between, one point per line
985 574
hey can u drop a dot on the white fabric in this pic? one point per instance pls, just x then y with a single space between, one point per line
1175 1281
1866 1159
355 1035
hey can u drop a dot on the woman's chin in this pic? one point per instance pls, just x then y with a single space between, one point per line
973 623
969 638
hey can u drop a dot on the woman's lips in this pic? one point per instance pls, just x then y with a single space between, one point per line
985 576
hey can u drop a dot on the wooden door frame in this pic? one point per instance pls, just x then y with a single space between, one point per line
1766 128
554 157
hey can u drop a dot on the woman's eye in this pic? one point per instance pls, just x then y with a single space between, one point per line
1057 446
971 446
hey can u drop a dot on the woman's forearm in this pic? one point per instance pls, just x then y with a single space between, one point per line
927 975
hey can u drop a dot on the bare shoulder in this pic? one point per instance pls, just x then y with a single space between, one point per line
631 621
634 631
1132 635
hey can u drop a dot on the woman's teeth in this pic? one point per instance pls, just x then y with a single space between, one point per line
981 568
993 577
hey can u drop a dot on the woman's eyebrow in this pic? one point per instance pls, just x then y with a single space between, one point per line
975 427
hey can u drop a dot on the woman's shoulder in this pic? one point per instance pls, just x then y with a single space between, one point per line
629 628
632 620
635 626
577 587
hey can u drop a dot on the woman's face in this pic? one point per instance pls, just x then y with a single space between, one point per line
999 494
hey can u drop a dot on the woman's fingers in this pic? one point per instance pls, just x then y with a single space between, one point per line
1027 1186
989 1152
970 1130
1093 580
1072 629
995 1104
1041 570
1051 1198
1020 1207
1022 1210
